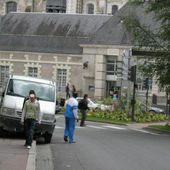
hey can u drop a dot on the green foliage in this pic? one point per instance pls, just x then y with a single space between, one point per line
157 41
118 116
149 117
110 115
107 101
121 113
165 128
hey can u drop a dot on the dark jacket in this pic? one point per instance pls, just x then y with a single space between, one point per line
83 104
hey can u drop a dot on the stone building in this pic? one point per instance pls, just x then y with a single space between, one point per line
62 6
88 51
83 50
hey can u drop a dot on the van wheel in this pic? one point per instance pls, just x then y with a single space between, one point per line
48 137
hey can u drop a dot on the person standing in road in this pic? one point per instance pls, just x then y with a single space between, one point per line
70 119
30 114
83 106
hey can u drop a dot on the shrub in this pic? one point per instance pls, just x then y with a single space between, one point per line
117 115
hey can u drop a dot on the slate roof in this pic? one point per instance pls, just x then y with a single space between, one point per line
63 33
114 30
37 32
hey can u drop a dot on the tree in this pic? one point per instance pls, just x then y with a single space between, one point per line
157 40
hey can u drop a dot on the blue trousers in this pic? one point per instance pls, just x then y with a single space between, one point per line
29 130
69 128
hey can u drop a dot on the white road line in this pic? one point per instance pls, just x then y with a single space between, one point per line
59 116
115 127
59 127
95 127
144 131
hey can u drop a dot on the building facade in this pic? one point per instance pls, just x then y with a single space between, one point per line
64 48
62 6
91 52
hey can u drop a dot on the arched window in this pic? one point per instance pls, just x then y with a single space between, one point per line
90 8
11 6
114 9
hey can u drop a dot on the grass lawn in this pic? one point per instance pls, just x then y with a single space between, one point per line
165 128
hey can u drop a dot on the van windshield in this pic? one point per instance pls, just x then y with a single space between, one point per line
21 88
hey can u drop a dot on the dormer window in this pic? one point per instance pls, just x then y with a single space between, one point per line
90 8
11 6
114 9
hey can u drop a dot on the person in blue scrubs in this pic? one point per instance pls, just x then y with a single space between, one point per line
70 119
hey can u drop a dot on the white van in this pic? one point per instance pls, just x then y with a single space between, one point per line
11 105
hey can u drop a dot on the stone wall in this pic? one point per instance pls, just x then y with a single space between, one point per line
46 64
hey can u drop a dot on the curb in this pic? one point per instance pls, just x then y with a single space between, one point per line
31 157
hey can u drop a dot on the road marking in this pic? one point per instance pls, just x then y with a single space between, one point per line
115 127
144 131
59 116
59 127
95 127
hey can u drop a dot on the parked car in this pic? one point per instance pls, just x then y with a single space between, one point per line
93 105
156 110
152 109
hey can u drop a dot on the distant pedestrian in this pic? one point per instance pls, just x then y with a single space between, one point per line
30 114
114 105
67 91
83 106
70 119
74 92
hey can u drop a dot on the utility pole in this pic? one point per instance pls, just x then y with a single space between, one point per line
146 86
132 77
134 94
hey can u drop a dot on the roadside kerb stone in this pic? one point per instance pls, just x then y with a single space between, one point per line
31 157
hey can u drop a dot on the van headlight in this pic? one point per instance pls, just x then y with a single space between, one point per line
7 111
48 117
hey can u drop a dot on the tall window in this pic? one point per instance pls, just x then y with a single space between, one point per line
111 67
61 79
11 7
114 9
90 8
57 6
32 71
4 74
79 6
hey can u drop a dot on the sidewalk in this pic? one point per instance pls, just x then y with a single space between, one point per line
144 125
15 156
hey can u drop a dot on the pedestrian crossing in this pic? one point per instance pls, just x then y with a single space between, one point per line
100 127
107 127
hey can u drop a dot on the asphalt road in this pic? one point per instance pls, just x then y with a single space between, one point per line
105 147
